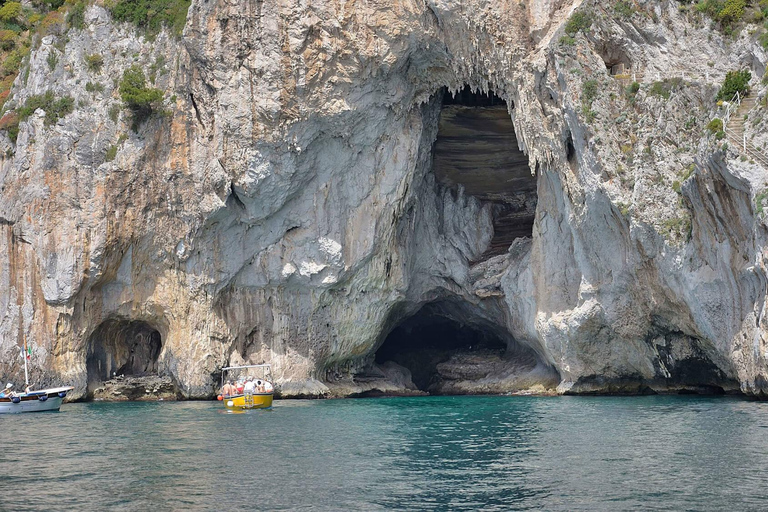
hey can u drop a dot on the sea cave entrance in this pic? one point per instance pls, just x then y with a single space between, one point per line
121 347
477 148
447 342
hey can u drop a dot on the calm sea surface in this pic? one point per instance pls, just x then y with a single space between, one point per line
430 453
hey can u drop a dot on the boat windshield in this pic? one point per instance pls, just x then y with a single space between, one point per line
240 374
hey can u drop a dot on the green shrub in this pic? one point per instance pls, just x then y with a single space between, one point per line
52 59
710 7
94 62
114 113
567 41
727 12
12 62
589 91
137 97
76 15
153 15
51 5
111 153
10 11
624 8
578 22
54 108
7 40
732 11
715 125
759 202
10 124
735 81
94 87
665 87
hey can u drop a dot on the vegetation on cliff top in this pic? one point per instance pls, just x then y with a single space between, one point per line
152 15
22 26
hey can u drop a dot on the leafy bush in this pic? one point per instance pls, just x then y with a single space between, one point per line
52 23
52 59
114 113
153 15
7 39
735 81
665 87
588 94
94 87
589 91
624 8
94 62
76 15
137 97
732 11
727 12
578 22
54 108
759 200
10 123
12 61
50 5
710 7
715 125
111 153
10 11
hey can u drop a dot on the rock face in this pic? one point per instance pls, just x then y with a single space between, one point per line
292 205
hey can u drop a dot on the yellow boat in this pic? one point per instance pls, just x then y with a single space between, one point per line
257 382
252 401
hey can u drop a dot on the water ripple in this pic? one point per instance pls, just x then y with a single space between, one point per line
426 453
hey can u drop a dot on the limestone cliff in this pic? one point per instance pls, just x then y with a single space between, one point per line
385 196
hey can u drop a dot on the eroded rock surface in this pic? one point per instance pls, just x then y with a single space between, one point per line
287 208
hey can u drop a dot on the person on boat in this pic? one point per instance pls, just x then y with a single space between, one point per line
268 387
7 391
228 389
240 386
249 387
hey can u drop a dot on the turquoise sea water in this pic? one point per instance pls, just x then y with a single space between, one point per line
428 453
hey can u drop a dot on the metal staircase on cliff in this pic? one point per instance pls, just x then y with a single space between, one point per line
735 130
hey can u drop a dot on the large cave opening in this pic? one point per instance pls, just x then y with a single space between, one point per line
446 344
125 351
477 148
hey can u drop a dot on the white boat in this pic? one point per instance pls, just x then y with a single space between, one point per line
31 401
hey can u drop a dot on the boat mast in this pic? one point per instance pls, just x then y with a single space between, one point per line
26 372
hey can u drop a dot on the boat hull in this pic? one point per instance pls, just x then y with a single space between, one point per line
32 402
259 401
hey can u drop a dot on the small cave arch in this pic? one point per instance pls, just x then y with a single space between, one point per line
122 347
476 148
447 345
616 60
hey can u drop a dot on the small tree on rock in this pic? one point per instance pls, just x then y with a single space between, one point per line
735 81
137 97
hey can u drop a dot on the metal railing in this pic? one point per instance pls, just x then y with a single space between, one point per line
732 106
746 148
